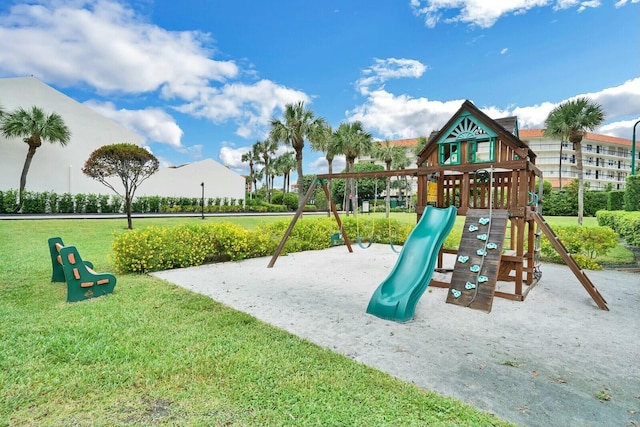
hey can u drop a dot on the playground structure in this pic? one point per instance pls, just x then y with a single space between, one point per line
480 167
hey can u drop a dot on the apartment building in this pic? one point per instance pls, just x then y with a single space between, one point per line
605 159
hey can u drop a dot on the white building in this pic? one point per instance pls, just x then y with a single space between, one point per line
59 169
605 159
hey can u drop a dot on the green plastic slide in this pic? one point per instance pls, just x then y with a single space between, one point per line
397 296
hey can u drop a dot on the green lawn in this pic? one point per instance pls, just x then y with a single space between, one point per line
155 354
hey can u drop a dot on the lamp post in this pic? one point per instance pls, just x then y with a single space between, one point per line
633 150
202 206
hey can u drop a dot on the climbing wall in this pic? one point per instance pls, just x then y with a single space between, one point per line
473 282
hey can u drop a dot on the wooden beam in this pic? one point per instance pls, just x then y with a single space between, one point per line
292 224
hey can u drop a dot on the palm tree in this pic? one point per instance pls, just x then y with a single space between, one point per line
266 150
386 152
251 157
284 164
326 143
570 121
401 161
422 141
297 125
352 141
33 126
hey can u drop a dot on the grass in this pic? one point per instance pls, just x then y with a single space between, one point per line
155 354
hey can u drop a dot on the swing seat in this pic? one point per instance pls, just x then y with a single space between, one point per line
393 248
362 245
336 239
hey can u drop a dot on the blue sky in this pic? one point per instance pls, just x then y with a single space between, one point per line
202 78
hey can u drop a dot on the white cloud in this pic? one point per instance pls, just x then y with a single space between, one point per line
106 45
395 117
504 51
153 124
232 157
624 2
320 165
250 106
484 13
386 69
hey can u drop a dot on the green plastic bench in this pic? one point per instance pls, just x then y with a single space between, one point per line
82 282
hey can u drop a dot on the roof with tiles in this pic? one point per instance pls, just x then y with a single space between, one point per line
539 133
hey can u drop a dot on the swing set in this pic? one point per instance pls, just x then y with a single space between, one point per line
480 167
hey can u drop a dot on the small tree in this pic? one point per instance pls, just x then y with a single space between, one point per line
131 163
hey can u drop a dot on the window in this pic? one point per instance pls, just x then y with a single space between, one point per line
589 147
610 163
588 172
481 150
590 160
450 153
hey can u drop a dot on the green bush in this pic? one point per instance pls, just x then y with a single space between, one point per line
615 200
626 224
65 204
92 203
632 193
583 243
80 202
34 202
290 200
160 248
10 201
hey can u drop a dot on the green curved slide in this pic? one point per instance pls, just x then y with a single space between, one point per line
397 296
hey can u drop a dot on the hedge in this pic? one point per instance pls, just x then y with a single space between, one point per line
626 224
161 248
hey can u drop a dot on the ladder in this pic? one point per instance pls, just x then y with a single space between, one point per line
568 259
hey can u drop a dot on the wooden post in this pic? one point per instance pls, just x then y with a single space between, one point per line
292 224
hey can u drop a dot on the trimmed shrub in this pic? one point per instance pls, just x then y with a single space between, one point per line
583 243
290 200
10 201
632 193
615 200
65 204
80 201
160 248
626 224
92 203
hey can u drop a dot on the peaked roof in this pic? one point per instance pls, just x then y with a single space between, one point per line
505 128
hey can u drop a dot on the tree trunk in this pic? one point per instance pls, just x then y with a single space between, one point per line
330 163
577 146
127 206
352 202
560 167
23 176
300 178
388 201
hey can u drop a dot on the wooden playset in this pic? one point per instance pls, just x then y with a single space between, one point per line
480 166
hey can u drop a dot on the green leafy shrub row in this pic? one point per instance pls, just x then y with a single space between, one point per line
161 248
632 193
565 203
583 243
626 224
